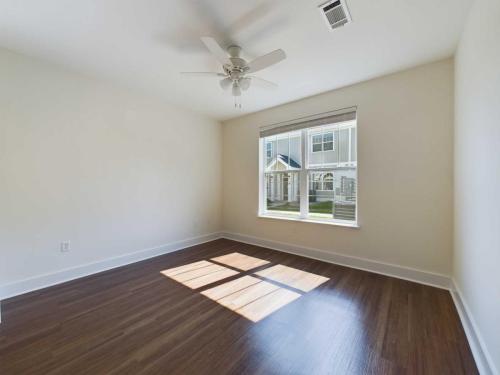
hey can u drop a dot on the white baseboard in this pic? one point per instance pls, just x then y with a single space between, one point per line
481 355
49 279
406 273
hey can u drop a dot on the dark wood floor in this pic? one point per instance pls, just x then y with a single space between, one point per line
137 320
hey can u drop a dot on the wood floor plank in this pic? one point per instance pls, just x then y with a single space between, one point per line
250 311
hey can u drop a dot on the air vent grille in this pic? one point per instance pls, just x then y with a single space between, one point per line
336 13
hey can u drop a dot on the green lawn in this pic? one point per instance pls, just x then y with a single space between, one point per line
288 206
321 207
314 207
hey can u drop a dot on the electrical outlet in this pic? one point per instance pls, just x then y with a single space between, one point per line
65 246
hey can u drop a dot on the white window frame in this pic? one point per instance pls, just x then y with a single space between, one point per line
303 215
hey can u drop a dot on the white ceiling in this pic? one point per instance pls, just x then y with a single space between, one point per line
145 43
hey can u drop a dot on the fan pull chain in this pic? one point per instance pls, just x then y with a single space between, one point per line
237 102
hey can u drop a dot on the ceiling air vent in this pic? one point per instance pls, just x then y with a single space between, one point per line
336 13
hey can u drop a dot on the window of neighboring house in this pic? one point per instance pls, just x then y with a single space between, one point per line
317 143
322 142
328 181
321 181
269 150
311 173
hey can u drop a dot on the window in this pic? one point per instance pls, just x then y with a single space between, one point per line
322 142
328 181
328 141
311 173
321 180
269 150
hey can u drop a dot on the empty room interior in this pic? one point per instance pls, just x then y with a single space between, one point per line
300 187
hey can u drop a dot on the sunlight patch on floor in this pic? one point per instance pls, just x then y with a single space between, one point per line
253 295
194 276
230 287
240 261
187 267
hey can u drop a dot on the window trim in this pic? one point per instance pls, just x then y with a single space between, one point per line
310 220
304 216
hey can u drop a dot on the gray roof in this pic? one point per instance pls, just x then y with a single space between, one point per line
287 160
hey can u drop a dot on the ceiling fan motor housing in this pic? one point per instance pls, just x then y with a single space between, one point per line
238 65
235 67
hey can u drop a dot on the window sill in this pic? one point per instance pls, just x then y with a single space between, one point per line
309 220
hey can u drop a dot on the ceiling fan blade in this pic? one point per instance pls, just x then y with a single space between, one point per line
209 74
263 82
267 60
216 49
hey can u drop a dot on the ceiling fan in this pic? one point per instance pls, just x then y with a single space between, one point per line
237 71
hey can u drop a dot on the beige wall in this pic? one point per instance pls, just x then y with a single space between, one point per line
405 124
108 169
477 173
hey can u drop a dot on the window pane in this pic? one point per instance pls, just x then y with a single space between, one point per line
295 161
335 156
282 192
345 187
282 153
317 147
344 145
324 154
332 194
328 181
317 138
270 153
314 181
328 146
321 200
269 148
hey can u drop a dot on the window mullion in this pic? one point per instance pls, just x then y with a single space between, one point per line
349 148
262 176
304 191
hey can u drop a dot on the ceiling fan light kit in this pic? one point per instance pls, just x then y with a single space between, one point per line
236 69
